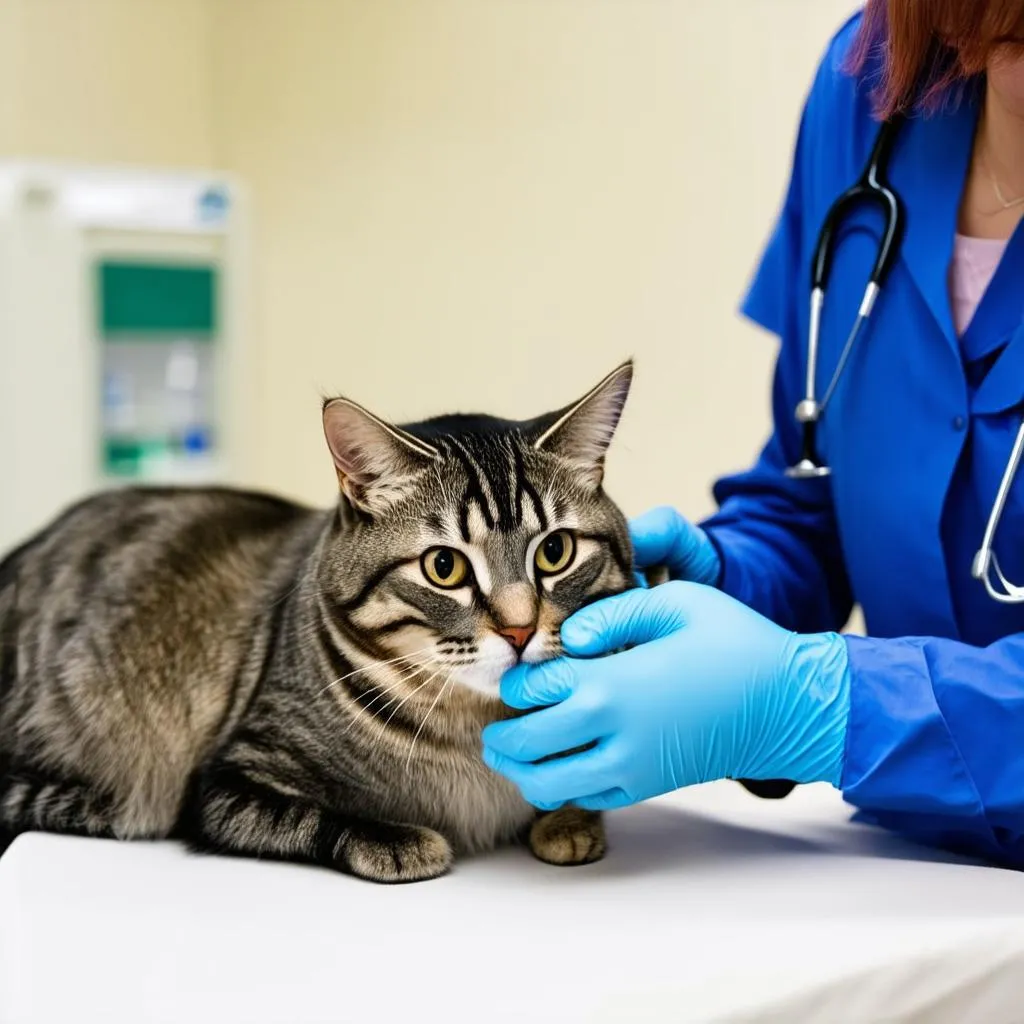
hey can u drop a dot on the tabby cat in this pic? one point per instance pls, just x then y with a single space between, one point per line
258 678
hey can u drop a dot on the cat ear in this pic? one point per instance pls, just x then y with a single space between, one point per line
582 432
375 461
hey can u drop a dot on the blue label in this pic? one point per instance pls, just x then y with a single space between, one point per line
213 204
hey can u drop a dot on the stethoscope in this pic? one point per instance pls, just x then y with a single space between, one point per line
873 187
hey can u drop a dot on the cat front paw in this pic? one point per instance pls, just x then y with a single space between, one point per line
568 836
393 854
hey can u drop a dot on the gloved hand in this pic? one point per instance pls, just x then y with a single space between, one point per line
663 537
712 690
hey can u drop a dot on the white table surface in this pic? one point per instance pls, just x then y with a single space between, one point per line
711 905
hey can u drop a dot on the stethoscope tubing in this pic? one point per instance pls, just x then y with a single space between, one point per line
873 187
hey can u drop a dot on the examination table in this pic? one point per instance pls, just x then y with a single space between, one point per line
711 905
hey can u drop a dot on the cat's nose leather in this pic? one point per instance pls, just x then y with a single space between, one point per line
517 636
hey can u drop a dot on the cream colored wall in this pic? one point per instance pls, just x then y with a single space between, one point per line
489 203
121 81
462 203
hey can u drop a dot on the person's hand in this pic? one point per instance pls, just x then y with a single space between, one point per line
662 537
712 690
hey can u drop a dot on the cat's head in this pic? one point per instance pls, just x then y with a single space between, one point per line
463 542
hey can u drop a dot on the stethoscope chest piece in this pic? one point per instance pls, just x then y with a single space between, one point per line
807 469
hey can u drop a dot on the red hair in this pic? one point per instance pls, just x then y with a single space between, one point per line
922 48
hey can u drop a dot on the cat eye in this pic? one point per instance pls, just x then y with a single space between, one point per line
555 552
445 567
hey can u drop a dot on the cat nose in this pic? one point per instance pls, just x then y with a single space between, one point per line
517 636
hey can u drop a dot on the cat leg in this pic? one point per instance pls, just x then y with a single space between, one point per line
6 837
37 800
236 814
567 836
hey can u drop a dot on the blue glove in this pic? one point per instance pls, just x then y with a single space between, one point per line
712 690
663 537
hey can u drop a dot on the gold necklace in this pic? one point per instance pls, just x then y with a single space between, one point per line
1006 204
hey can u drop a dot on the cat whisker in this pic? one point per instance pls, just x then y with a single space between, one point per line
374 665
406 671
440 694
385 690
284 597
380 711
378 736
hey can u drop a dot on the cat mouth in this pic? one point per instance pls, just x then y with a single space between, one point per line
484 674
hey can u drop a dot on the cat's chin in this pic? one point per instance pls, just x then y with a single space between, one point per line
484 678
490 689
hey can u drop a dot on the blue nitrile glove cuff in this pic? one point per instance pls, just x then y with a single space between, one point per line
807 739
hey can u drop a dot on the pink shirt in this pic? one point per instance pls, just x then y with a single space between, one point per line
974 262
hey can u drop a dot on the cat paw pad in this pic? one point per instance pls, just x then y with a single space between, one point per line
568 836
398 853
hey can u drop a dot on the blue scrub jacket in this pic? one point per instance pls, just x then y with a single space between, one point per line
917 435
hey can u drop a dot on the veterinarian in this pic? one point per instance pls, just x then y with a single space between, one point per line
889 480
